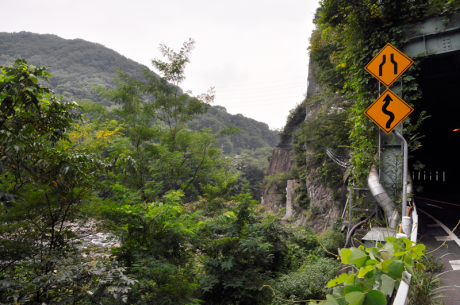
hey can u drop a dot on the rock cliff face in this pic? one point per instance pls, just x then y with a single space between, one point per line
323 203
324 206
279 162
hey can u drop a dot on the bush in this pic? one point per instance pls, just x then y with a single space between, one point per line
426 286
241 250
309 282
331 241
303 244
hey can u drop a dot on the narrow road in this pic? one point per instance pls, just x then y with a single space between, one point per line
437 220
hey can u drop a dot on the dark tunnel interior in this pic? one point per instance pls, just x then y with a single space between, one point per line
439 77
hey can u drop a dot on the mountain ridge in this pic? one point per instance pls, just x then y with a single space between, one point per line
77 65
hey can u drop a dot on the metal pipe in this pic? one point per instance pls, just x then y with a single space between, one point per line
382 198
350 232
406 158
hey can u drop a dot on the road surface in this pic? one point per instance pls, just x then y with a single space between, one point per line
437 219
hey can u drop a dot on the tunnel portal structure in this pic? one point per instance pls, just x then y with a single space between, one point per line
436 42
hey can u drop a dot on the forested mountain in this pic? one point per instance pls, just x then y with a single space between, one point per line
77 65
252 135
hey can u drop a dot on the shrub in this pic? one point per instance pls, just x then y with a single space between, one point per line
331 241
309 282
303 244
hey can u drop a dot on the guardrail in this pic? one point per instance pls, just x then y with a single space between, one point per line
403 291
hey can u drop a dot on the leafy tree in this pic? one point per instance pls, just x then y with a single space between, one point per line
155 162
43 186
252 166
242 250
156 248
155 113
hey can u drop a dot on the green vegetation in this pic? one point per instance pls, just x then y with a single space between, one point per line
348 35
326 127
426 286
383 265
252 135
44 185
151 170
77 65
183 212
308 282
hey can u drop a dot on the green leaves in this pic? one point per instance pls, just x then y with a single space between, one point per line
339 280
345 254
357 257
355 298
375 297
388 284
331 300
372 297
351 288
359 286
396 268
363 271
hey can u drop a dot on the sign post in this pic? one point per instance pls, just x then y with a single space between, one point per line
389 110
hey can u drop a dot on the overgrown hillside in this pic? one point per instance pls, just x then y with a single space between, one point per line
186 229
77 65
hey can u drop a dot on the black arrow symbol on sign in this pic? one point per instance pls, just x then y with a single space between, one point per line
387 101
394 63
384 60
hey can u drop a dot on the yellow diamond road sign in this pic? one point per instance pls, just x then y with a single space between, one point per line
388 65
388 111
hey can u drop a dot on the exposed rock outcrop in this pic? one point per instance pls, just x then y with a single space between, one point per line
322 199
279 162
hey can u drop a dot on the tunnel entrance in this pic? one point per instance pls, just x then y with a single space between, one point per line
439 79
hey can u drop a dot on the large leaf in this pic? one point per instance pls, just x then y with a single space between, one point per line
371 262
339 295
351 288
408 260
388 285
350 279
331 300
344 255
375 297
389 246
363 271
385 264
374 252
417 251
357 257
355 298
409 243
396 268
338 280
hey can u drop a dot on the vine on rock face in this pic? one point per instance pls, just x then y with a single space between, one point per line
348 35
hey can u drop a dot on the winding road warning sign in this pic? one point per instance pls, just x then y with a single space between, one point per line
388 111
388 65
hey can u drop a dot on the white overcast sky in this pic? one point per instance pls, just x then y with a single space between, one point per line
253 52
